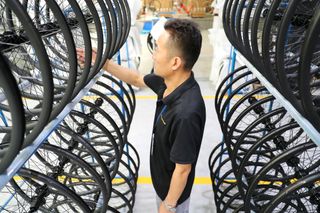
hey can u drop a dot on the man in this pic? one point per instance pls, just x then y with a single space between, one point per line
180 113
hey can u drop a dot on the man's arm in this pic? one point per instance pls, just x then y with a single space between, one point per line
124 74
178 183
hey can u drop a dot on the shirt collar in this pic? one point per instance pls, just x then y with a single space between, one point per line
179 90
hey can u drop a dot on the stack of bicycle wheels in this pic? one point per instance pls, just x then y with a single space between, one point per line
266 162
281 39
87 163
265 154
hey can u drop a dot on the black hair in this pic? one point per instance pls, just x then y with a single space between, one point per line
187 38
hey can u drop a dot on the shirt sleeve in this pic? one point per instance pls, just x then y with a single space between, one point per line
154 82
186 136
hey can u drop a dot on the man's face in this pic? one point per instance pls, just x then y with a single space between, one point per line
162 55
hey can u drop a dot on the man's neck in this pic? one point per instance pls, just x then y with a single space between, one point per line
175 81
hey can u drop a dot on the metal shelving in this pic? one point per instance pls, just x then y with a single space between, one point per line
26 153
302 121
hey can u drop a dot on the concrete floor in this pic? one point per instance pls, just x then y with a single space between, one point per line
141 128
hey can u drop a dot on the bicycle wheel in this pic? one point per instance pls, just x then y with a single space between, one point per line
118 100
224 82
120 21
269 32
239 26
113 110
31 185
234 14
133 158
247 110
261 152
74 173
227 194
289 45
118 88
60 47
100 138
240 90
96 112
229 89
309 72
12 126
295 163
107 32
81 37
256 35
225 190
246 29
93 20
112 34
226 20
127 23
306 189
264 124
21 55
78 145
125 185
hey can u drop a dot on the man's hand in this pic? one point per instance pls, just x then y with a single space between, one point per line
81 56
163 209
178 183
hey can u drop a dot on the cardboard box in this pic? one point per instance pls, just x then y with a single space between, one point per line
198 12
158 4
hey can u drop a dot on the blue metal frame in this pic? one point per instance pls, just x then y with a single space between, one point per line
231 68
129 65
121 93
3 118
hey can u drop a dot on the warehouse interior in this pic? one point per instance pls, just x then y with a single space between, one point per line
78 133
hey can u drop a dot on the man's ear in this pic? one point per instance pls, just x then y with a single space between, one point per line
176 63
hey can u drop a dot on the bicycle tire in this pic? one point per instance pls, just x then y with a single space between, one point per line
305 69
39 49
51 183
17 130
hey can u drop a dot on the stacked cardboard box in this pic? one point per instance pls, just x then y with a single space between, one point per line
198 12
173 8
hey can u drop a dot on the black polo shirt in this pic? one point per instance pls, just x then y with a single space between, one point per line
177 134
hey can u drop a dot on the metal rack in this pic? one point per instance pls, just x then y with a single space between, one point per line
302 121
26 153
236 56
